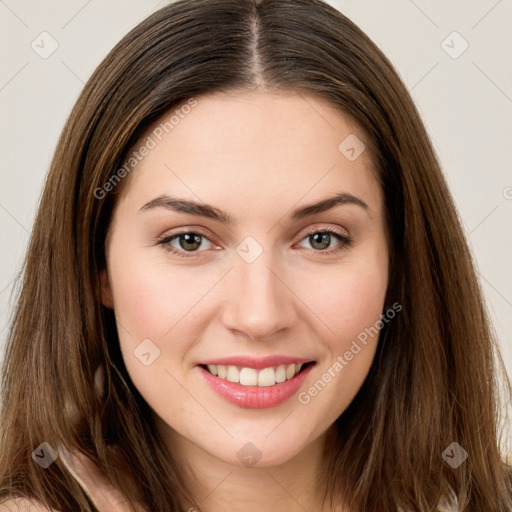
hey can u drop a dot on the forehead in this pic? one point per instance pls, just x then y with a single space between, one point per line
253 148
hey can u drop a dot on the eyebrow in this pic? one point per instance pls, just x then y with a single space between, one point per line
206 210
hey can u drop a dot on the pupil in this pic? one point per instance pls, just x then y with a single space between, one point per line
321 239
190 241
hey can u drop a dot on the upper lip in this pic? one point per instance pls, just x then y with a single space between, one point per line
257 363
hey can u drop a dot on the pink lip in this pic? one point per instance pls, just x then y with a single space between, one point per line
254 397
258 363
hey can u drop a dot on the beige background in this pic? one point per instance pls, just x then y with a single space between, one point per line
466 103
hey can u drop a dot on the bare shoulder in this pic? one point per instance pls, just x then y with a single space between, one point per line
23 505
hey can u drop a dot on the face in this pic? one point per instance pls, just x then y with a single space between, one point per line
218 262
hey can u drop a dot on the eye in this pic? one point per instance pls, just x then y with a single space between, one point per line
321 240
185 242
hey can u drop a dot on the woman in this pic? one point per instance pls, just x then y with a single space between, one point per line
248 286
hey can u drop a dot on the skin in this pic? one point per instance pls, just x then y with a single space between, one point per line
257 156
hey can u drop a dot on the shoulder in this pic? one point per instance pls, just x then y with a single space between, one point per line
449 501
23 505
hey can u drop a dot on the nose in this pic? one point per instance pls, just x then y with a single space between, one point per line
260 303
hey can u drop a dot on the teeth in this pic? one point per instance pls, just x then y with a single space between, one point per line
251 377
281 373
248 377
233 374
267 377
221 371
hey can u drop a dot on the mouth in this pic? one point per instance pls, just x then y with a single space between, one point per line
256 384
264 377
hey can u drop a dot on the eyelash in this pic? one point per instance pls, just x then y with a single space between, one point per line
165 242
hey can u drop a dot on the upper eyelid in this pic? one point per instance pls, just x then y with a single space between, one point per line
203 232
185 231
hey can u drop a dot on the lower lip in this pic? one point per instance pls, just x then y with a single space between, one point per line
255 397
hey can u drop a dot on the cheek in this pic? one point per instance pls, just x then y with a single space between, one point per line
152 297
349 346
348 299
359 305
153 305
139 298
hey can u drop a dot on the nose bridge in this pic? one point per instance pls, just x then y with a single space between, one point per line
259 304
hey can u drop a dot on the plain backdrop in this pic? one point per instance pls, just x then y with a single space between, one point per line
453 56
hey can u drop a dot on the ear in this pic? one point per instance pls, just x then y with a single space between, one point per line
106 292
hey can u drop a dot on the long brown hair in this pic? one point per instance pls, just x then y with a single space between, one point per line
434 378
